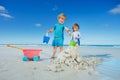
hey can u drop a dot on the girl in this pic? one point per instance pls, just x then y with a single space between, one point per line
75 36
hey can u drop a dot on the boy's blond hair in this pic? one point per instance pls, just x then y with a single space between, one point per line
62 15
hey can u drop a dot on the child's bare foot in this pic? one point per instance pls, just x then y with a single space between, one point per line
52 57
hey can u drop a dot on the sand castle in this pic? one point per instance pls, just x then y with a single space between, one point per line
71 59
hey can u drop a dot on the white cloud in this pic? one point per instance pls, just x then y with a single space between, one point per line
2 8
4 13
115 10
38 25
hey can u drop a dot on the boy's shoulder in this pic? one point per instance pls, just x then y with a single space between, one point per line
60 24
56 24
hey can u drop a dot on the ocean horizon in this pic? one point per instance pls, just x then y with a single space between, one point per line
97 45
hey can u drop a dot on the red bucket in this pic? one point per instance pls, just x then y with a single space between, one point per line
30 53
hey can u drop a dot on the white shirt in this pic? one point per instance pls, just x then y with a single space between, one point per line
75 36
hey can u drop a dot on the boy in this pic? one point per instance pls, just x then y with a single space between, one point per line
59 34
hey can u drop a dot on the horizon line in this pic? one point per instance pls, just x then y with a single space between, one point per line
64 44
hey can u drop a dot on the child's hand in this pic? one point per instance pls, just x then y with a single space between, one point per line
47 31
51 30
69 33
76 38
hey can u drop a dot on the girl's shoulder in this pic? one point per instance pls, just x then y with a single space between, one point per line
76 32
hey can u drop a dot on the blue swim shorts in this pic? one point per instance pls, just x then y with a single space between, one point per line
58 42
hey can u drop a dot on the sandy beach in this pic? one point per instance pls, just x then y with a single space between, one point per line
13 68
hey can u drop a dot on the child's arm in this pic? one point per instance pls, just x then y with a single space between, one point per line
68 31
78 36
51 30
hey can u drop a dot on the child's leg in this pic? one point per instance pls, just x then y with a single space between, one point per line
61 49
77 49
76 45
54 51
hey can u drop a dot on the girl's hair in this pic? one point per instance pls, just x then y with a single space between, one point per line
74 26
62 15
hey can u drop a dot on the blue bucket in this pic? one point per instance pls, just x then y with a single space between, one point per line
46 39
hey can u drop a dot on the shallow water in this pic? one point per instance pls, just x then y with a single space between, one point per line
109 69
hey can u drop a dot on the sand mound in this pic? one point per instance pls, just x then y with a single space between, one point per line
70 58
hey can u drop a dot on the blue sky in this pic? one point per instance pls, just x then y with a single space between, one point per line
26 21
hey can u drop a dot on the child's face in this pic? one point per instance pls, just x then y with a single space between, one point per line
61 20
75 28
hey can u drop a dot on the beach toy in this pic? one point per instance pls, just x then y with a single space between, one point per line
29 54
46 38
36 58
25 58
32 54
72 43
8 45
